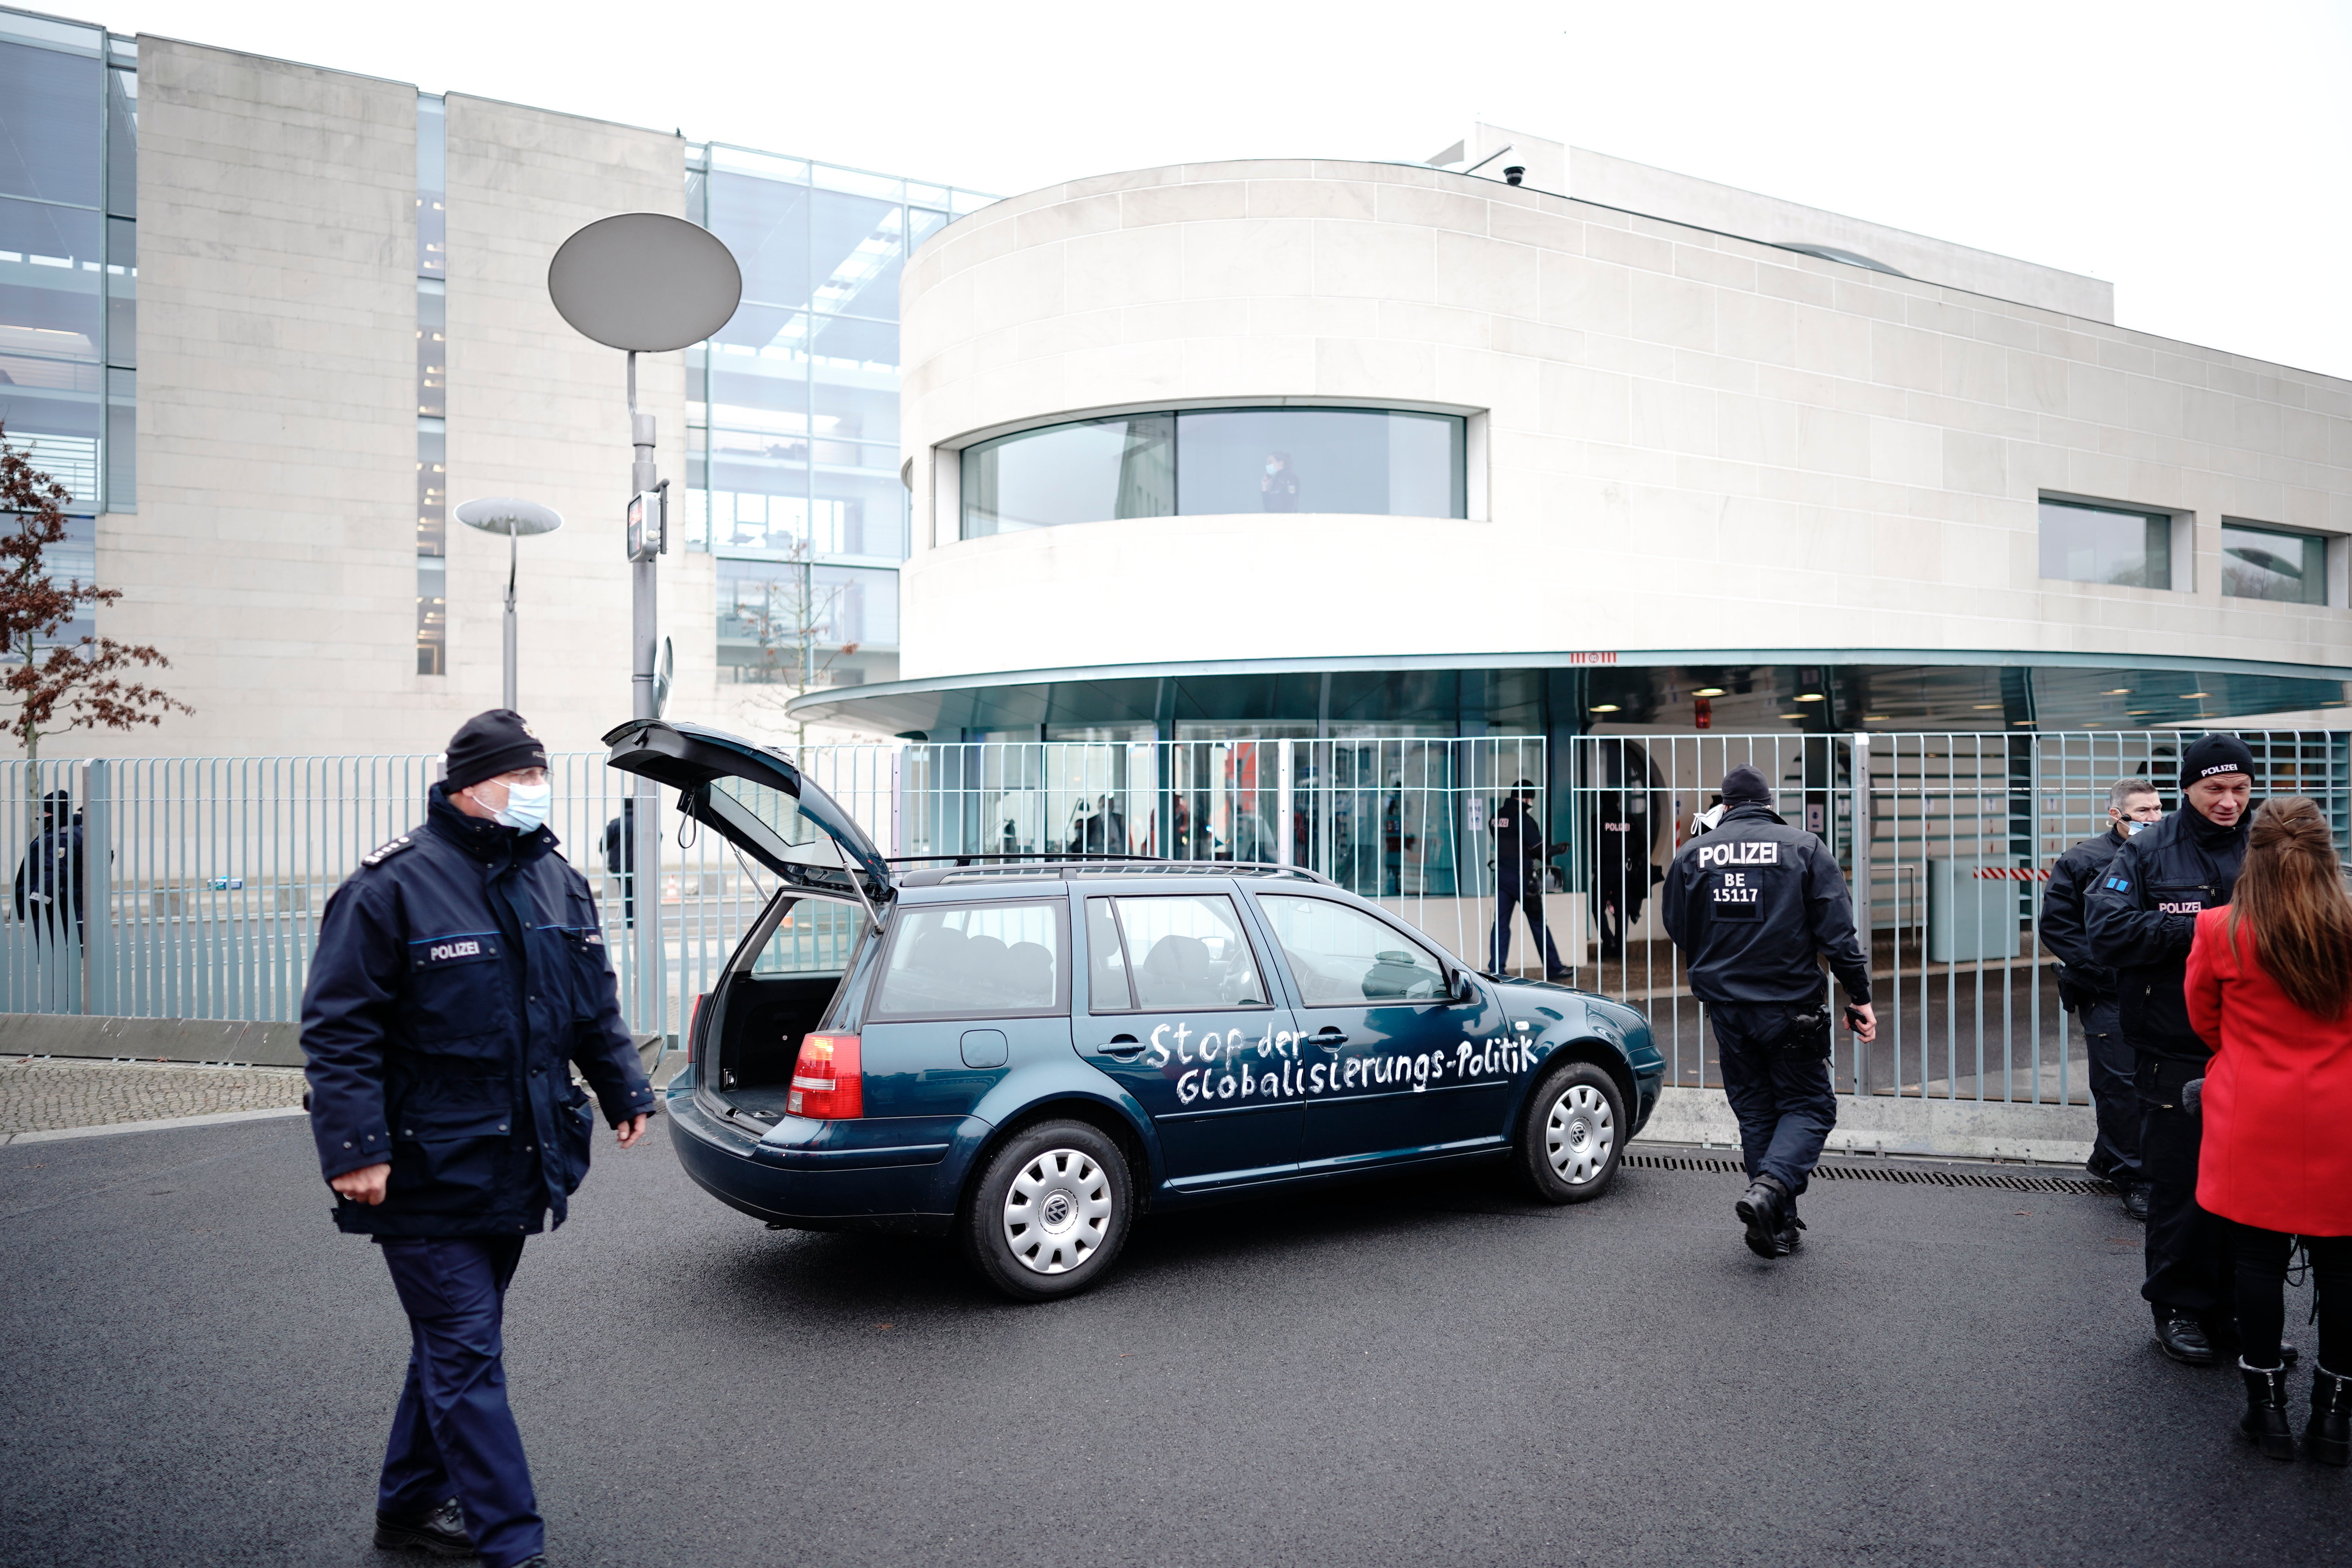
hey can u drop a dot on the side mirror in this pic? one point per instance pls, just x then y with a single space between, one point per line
1464 988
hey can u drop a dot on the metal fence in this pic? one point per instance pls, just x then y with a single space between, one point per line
1946 839
192 888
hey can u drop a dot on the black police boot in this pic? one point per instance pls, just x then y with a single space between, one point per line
2265 1417
2180 1335
2136 1203
1763 1208
441 1532
2329 1431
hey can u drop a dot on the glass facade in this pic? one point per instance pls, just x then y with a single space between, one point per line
793 412
2084 543
432 386
2272 563
69 257
1218 461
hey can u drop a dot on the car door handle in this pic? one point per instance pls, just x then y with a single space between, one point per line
1330 1039
1125 1047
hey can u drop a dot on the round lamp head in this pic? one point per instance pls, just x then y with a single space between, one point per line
509 517
645 282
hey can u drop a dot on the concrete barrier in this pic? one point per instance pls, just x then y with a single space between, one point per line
152 1039
1891 1124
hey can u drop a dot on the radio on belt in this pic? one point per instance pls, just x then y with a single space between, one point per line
649 523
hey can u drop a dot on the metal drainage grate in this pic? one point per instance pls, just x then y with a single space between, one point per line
1914 1175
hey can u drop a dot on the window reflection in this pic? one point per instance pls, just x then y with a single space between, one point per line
1205 462
51 144
2106 545
2272 564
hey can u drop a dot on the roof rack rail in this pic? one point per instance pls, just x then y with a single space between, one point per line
975 866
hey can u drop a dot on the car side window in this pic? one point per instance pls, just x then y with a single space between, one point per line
976 961
1106 988
1342 957
1175 951
814 936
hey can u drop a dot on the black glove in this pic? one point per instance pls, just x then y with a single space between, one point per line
2193 1097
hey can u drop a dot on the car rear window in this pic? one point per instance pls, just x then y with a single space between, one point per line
976 961
1161 954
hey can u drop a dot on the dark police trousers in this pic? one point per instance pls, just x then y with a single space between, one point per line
1507 896
2115 1154
2186 1245
453 1435
1782 1099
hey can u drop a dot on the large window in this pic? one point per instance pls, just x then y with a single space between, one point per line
975 961
2084 543
2272 563
793 407
803 623
1202 462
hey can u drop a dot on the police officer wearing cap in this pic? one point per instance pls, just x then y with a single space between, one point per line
2088 990
459 970
1755 906
2142 916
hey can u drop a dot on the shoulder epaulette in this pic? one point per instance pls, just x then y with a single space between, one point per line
385 852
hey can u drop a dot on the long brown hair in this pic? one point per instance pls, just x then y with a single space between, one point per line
2292 893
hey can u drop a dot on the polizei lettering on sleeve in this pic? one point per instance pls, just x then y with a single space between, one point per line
1740 852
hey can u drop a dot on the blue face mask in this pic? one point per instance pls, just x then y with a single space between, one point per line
1273 467
527 806
2134 829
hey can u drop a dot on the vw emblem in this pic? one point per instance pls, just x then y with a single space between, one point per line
1058 1211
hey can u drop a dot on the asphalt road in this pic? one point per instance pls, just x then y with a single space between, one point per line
202 1371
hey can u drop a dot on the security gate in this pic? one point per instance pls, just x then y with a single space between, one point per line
1946 840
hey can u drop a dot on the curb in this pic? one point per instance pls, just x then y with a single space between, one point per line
214 1120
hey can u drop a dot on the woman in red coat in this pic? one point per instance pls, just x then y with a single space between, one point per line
2270 989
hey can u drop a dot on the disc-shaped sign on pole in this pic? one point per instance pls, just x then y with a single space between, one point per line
645 282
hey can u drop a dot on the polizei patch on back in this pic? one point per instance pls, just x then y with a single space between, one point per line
1740 852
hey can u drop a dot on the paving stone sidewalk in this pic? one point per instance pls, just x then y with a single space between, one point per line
41 1094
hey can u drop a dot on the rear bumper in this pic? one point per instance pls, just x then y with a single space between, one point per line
907 1184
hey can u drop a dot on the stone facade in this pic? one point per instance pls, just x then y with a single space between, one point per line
1680 439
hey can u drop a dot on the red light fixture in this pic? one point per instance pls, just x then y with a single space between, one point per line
826 1081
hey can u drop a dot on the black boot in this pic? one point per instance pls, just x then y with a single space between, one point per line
2265 1417
2329 1432
2136 1203
2180 1335
1763 1208
441 1532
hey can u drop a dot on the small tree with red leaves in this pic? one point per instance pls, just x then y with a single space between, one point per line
59 686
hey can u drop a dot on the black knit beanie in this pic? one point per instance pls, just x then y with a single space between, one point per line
1744 783
491 743
2215 754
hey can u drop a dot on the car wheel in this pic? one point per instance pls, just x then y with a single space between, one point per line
1050 1211
1572 1134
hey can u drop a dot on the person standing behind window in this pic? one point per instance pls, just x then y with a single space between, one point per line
1279 489
2270 988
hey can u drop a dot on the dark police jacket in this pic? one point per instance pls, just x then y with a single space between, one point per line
1518 845
2143 916
1752 903
2064 929
457 969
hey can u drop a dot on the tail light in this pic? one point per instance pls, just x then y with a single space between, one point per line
827 1082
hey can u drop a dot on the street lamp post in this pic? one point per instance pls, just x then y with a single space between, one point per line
504 514
646 283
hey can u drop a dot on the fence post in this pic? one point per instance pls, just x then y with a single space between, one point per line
98 890
1858 818
1283 854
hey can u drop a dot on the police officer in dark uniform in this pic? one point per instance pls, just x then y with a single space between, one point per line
1520 862
1755 905
2088 990
459 970
2142 918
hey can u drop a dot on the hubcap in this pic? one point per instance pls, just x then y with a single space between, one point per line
1578 1134
1058 1211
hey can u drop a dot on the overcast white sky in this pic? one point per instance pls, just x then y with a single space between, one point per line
2195 155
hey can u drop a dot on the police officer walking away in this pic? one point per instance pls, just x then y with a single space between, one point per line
2142 917
459 970
2088 990
1755 905
1519 861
